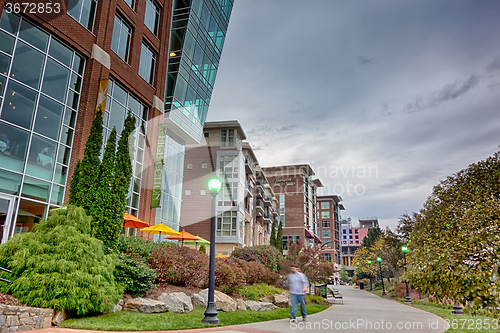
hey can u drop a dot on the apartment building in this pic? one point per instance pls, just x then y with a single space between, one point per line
352 239
296 193
329 207
243 208
156 58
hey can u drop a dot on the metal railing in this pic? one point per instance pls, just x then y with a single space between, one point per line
5 270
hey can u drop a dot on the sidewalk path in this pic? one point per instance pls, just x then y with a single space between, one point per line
362 312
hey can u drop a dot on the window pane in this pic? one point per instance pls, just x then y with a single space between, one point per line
55 82
13 145
4 63
41 158
60 174
35 189
130 3
60 52
120 95
57 195
70 117
88 11
11 182
9 22
124 42
74 8
76 82
48 118
27 66
19 105
66 136
63 155
2 84
117 117
6 42
33 35
78 64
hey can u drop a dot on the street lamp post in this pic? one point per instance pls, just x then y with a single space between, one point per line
408 298
370 262
381 276
214 185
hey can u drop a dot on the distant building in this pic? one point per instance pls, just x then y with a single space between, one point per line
329 207
296 190
352 239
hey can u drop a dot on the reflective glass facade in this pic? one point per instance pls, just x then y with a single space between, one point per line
197 37
40 85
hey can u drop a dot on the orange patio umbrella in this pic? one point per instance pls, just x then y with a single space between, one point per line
130 221
184 236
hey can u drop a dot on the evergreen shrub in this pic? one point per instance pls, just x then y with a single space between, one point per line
134 275
61 266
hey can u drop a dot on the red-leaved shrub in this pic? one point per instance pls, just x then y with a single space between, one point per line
228 275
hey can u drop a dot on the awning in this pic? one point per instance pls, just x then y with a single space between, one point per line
317 240
309 234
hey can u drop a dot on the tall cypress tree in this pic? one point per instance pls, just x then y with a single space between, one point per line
123 166
272 241
86 175
279 237
107 221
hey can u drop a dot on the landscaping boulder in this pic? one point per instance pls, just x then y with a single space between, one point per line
222 301
259 306
144 305
267 299
282 300
198 300
177 302
240 304
117 307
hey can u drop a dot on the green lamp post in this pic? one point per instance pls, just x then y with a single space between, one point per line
214 185
369 263
381 276
404 248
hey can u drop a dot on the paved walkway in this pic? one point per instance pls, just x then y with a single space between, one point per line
361 312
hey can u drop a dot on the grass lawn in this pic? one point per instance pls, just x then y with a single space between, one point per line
458 323
134 321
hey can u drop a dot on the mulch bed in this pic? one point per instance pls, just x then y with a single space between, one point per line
9 300
168 288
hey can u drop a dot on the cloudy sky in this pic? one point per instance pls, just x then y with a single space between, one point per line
383 98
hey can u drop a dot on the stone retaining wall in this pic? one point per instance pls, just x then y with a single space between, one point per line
17 318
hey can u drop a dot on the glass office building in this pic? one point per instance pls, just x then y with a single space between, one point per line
196 40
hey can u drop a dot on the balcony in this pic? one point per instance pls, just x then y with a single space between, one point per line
267 200
268 218
248 190
259 206
249 166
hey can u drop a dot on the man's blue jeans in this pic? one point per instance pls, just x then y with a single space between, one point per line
296 299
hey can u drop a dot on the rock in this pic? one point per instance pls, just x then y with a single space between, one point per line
144 305
267 299
222 301
117 307
240 304
177 302
259 306
282 300
198 300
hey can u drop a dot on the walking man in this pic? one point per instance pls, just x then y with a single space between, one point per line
297 284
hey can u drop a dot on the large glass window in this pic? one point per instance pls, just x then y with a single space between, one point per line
227 223
325 215
325 205
325 224
120 41
227 138
36 118
147 63
326 234
152 16
83 11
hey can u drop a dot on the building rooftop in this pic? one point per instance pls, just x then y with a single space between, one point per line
334 197
290 169
226 124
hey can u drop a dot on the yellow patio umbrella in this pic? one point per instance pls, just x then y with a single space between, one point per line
160 229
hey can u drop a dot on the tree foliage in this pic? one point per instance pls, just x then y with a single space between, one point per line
371 237
265 254
279 237
272 240
453 249
61 266
405 226
309 260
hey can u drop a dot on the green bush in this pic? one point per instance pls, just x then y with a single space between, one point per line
60 266
265 254
314 299
134 275
137 246
256 291
203 249
390 289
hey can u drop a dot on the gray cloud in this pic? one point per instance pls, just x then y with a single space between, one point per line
449 92
494 65
364 60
